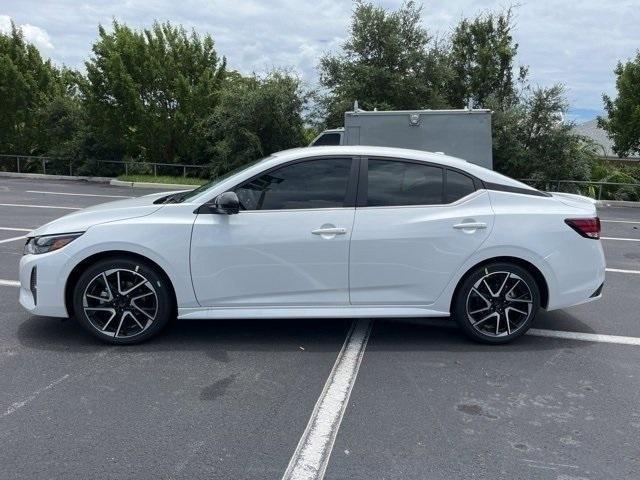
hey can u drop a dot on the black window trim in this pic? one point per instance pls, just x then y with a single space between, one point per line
350 195
498 187
363 183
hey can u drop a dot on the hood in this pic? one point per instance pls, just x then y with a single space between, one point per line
105 212
577 201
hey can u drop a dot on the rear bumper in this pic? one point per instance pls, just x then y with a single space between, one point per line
580 274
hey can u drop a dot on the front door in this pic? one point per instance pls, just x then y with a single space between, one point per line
288 246
415 225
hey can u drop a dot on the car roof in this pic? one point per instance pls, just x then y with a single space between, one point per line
482 173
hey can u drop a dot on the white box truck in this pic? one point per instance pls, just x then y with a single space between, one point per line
465 134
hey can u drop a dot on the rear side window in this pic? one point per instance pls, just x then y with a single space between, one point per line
458 185
396 183
327 139
318 183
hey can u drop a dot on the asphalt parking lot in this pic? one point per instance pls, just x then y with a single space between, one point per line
233 399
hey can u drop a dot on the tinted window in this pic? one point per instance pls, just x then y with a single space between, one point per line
403 183
311 184
458 186
327 139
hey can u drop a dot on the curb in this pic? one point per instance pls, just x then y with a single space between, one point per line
55 177
121 183
617 203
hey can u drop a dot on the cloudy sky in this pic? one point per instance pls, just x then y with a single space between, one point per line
575 42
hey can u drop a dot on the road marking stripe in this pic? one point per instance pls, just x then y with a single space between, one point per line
619 270
13 239
310 459
621 239
620 221
17 405
79 194
9 283
38 206
9 229
586 337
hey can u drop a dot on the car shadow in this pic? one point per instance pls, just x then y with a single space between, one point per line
214 337
217 337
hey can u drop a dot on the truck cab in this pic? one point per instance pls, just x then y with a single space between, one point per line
329 137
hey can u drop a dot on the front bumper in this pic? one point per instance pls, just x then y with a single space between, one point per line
42 291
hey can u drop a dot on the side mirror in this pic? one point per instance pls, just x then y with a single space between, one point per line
226 203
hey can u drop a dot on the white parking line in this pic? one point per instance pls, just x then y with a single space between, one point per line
78 194
13 239
586 337
619 270
9 283
309 461
620 221
9 229
18 405
621 239
38 206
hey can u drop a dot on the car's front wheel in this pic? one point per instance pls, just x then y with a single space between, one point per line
122 301
497 303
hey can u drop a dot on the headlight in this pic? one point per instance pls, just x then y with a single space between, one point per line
48 243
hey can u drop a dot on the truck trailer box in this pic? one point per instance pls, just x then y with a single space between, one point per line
465 134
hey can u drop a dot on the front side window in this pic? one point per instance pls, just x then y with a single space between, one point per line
320 183
396 183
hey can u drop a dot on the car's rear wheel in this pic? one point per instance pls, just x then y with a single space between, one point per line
497 303
122 301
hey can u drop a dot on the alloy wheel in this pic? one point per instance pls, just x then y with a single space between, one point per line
499 304
120 303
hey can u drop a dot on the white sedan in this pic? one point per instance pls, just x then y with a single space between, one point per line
322 232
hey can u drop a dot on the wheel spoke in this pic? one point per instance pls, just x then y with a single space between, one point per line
474 289
142 311
124 314
135 319
106 282
506 316
482 320
516 310
484 280
507 275
512 287
521 300
498 324
127 292
479 310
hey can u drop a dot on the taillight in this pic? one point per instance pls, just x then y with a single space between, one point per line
587 227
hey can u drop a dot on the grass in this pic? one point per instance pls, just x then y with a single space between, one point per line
162 179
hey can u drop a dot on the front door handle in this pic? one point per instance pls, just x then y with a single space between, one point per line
329 231
470 225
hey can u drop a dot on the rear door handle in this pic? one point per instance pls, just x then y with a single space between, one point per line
329 231
470 226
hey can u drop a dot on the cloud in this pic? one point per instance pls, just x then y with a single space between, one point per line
32 34
574 42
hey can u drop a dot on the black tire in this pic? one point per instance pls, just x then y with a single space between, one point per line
490 311
137 316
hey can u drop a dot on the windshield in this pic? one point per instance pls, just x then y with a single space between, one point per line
202 188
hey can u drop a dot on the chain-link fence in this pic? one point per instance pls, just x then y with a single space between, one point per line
597 190
97 168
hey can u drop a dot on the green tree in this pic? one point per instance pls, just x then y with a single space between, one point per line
531 140
386 63
481 62
254 118
27 85
146 90
623 113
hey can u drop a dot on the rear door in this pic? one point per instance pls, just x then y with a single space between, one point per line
415 225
